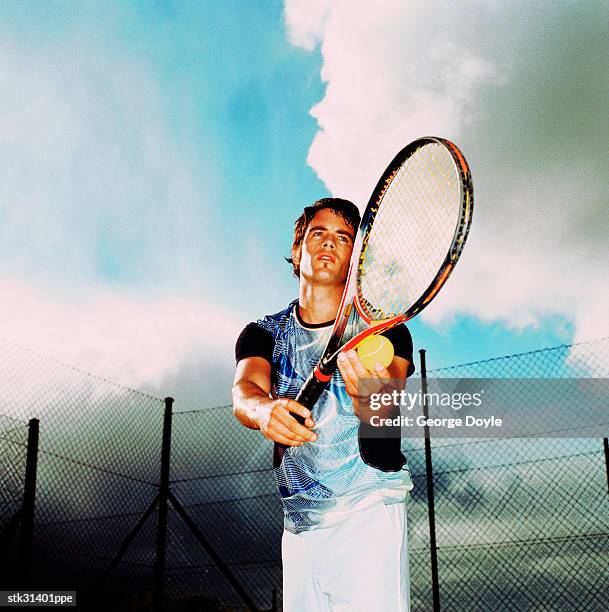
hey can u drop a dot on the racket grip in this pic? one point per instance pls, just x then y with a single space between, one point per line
310 392
308 395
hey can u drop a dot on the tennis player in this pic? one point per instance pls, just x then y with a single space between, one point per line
344 545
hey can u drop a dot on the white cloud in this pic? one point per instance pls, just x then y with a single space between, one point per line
102 224
504 82
306 21
95 179
140 339
391 77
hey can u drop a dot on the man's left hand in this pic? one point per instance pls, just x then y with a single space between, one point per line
360 383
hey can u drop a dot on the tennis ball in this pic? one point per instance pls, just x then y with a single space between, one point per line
373 350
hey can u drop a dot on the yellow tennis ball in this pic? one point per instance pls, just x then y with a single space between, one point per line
373 350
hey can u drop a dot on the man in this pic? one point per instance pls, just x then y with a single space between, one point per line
344 545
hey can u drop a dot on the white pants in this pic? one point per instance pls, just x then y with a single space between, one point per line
361 564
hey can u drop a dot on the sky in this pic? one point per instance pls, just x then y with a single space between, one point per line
156 154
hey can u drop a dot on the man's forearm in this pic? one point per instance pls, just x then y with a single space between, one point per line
248 401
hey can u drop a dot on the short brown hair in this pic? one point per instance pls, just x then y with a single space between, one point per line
344 208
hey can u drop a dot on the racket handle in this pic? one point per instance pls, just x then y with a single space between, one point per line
309 393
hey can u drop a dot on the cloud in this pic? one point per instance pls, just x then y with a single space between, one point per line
104 210
142 339
94 182
520 89
390 77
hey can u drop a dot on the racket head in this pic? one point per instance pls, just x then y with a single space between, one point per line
413 231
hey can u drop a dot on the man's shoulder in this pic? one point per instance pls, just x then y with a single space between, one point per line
277 319
258 339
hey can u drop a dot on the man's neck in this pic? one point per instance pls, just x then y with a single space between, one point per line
318 303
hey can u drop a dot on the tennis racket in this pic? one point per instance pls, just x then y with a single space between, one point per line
410 238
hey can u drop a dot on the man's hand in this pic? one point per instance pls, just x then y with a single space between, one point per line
274 417
277 423
360 383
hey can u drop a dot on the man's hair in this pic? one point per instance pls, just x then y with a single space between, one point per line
344 208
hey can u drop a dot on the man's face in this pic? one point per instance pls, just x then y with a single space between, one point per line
326 249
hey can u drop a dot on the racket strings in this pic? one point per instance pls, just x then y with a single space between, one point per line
411 234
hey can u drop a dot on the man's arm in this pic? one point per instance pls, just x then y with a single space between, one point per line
255 409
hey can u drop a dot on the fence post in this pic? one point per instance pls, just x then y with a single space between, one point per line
161 534
26 539
606 445
431 510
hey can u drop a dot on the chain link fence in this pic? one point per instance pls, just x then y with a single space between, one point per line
13 447
521 524
97 472
221 475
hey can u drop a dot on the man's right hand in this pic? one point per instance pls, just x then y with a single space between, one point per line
277 423
274 417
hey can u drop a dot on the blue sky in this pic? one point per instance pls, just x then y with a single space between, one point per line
156 154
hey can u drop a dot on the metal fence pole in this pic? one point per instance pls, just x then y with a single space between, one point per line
26 539
431 510
161 534
606 446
